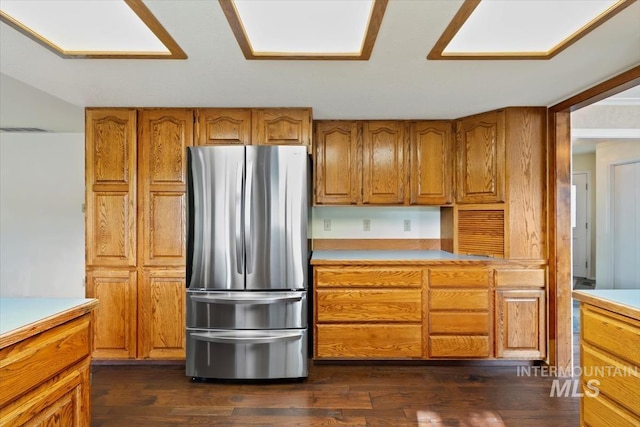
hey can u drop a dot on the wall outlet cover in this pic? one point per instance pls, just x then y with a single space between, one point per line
327 225
366 225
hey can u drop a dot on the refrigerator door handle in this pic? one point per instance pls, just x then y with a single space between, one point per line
248 218
238 207
226 338
245 299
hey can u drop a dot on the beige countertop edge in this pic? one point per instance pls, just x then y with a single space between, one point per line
607 304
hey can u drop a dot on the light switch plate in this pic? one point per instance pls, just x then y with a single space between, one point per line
327 225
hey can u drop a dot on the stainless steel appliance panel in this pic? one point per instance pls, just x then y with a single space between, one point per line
215 255
247 354
275 217
247 310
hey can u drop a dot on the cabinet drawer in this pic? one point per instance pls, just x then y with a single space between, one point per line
363 305
26 364
602 412
454 299
370 277
462 278
520 278
619 335
618 381
459 346
459 323
369 341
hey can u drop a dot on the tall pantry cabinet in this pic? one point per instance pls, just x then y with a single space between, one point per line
135 229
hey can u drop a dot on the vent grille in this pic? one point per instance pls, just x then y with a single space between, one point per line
481 232
29 130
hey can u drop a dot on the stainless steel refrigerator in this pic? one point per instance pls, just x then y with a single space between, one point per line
247 262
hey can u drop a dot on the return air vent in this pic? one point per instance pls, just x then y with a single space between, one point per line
23 130
481 232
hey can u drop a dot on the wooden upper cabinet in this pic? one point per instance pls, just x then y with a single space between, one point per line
164 138
223 126
431 162
338 175
383 162
480 158
110 174
282 126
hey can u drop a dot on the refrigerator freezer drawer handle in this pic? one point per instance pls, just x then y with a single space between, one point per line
245 300
226 339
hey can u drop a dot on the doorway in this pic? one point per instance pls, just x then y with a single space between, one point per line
581 222
626 225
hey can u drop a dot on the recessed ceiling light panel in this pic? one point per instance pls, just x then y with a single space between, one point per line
91 28
525 29
305 29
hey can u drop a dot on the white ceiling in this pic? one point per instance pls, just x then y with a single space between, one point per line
41 89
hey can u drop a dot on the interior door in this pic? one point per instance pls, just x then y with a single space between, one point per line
215 258
275 217
580 233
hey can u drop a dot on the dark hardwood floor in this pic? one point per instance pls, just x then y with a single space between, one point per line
333 395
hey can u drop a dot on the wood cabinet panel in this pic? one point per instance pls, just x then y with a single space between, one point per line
110 180
164 138
383 341
115 318
520 278
456 323
457 299
161 314
459 278
459 346
619 335
481 231
282 126
383 162
368 277
520 324
480 158
338 168
604 412
431 162
366 305
223 126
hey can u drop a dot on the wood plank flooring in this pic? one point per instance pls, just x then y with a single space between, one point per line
333 395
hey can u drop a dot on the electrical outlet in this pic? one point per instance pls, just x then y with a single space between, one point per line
366 225
407 225
327 225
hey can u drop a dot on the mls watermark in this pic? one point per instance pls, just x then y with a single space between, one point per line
566 382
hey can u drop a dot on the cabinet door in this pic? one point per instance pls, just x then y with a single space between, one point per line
164 138
431 163
480 158
110 174
161 314
520 324
115 319
383 162
338 175
224 126
282 126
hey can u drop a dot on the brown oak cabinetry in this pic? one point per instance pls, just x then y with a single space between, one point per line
246 126
141 312
382 162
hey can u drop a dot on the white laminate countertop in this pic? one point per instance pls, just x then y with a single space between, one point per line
16 313
398 255
623 301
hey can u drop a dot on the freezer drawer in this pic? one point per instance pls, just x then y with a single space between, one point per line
247 310
247 354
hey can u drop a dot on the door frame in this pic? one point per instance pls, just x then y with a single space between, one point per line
559 212
589 219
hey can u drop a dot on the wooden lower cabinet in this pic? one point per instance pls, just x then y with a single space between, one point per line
141 314
472 311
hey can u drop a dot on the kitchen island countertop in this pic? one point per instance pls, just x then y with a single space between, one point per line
621 301
381 257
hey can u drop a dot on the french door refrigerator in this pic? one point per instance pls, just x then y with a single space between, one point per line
247 262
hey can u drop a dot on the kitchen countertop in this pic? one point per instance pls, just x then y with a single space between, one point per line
622 301
392 257
24 317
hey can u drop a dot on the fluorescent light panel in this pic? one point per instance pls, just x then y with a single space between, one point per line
90 27
305 29
521 28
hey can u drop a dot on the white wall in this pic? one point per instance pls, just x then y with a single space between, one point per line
385 222
607 155
587 163
41 219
